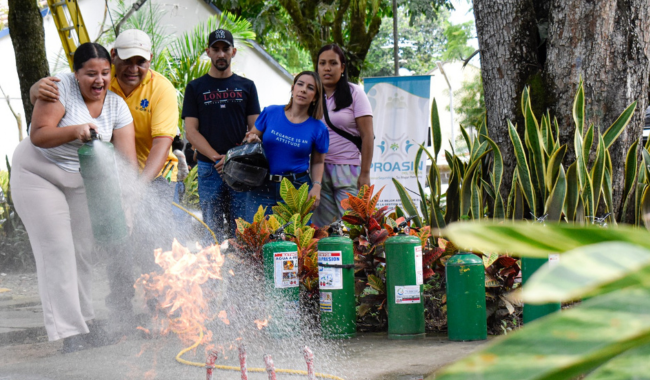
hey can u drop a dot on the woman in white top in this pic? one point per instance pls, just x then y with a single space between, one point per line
49 194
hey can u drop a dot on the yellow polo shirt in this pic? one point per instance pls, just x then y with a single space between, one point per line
154 108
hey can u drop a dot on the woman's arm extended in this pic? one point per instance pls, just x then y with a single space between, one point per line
44 132
316 168
124 142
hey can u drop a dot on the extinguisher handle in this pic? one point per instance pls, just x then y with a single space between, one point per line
280 231
402 226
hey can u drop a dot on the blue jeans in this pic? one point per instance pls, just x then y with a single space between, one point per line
219 203
268 195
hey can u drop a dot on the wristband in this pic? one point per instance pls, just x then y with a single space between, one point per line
317 183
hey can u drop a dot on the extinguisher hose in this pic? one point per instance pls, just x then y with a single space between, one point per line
233 368
200 221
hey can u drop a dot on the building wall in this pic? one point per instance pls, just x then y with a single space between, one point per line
273 85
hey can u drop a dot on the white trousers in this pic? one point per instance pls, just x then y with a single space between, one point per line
52 204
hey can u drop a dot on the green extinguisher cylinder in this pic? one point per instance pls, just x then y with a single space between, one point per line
282 288
338 311
466 314
532 312
99 172
404 283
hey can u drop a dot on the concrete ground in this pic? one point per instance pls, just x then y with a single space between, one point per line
25 353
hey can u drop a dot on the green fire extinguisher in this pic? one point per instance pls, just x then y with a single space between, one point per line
99 172
528 267
282 284
466 313
404 283
338 312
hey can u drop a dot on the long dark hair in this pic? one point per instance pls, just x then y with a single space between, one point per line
315 109
342 95
87 51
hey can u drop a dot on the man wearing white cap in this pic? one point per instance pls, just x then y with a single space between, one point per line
151 98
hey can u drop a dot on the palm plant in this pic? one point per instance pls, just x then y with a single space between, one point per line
605 337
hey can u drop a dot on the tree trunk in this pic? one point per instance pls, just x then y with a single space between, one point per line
507 36
607 44
28 39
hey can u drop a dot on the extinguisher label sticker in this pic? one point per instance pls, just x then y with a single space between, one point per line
330 278
407 294
326 302
286 269
419 275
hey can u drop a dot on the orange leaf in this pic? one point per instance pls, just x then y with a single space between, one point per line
373 203
345 204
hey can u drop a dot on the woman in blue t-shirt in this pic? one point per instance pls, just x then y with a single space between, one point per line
290 135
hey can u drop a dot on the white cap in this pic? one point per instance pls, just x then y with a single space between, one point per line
133 42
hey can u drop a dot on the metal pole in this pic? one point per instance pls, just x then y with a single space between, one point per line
395 38
451 103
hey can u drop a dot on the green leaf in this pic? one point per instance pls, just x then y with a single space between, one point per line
607 191
423 203
562 345
536 152
376 283
630 169
572 193
554 164
259 215
488 188
580 160
285 187
535 240
556 198
436 136
490 258
522 167
632 364
452 212
468 141
303 192
615 130
588 142
598 172
645 207
589 271
579 110
497 167
466 187
407 202
476 196
478 152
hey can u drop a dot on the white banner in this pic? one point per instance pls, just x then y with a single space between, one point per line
400 107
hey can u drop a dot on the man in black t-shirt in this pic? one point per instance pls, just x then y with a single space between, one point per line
219 108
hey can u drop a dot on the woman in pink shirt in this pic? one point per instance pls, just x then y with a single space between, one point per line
349 121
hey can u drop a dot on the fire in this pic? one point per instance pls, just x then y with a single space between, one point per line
182 307
262 323
224 317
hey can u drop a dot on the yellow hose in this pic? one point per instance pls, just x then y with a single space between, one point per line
200 221
229 367
233 368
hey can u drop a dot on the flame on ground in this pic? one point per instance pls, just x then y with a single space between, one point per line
262 323
182 307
